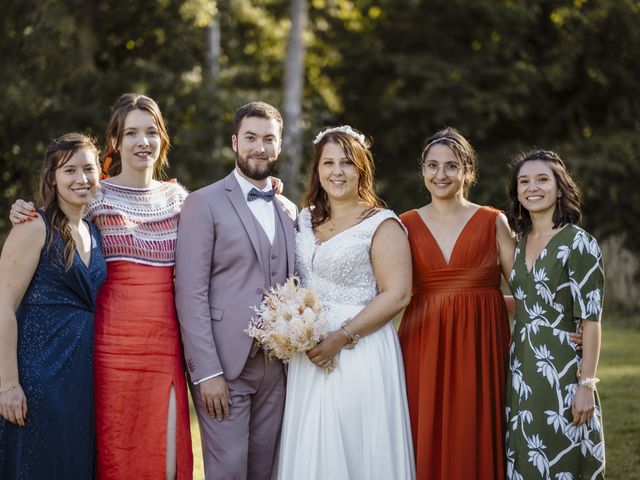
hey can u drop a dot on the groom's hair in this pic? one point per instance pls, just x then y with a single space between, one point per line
257 109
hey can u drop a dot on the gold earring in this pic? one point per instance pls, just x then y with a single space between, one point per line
519 211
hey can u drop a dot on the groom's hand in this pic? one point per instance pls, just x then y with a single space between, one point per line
214 396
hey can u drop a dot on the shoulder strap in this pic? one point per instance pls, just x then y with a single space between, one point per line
47 224
375 220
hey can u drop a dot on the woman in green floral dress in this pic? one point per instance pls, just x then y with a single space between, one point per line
554 422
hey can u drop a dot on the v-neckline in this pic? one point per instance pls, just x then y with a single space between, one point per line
77 253
535 260
317 242
455 244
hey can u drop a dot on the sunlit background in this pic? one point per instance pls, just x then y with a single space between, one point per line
509 74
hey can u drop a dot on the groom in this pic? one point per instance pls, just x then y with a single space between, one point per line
235 241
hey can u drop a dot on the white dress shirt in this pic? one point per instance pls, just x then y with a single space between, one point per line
261 209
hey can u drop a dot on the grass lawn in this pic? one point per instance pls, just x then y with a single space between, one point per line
619 390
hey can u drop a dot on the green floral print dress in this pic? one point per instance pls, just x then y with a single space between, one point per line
565 285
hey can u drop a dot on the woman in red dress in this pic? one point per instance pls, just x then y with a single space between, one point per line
142 413
455 332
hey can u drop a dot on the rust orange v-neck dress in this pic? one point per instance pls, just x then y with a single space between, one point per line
455 337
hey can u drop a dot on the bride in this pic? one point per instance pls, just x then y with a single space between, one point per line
346 411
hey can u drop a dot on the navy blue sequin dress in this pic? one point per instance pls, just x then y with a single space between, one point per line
55 356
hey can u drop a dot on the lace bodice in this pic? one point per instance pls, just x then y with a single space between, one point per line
340 268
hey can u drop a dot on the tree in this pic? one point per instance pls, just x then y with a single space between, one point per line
293 89
510 74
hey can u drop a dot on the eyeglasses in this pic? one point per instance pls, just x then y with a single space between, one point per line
450 169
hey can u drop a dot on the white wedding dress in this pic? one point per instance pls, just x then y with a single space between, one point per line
352 423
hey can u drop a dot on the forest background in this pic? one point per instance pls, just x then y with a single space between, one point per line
510 74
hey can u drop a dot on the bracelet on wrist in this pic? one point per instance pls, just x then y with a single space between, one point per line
353 339
588 382
346 334
8 389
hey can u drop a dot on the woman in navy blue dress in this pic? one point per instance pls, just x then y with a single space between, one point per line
50 272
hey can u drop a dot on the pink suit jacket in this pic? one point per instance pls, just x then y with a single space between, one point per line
220 276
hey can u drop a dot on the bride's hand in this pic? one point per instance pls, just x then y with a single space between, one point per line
322 355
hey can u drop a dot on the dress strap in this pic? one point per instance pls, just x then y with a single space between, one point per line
375 220
47 223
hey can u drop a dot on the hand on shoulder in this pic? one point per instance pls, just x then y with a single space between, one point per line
288 206
22 211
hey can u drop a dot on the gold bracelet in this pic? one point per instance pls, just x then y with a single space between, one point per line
3 390
353 339
344 330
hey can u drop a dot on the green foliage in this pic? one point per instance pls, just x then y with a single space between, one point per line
65 63
510 74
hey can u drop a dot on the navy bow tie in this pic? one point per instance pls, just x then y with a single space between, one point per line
254 194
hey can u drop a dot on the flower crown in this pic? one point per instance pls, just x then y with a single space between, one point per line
346 129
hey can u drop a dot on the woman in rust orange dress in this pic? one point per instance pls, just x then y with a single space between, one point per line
455 332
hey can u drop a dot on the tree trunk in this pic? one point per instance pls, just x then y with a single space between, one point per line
292 108
213 52
88 41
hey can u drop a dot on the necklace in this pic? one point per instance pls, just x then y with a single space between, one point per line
339 222
348 218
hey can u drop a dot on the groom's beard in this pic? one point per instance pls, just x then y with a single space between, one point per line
259 172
